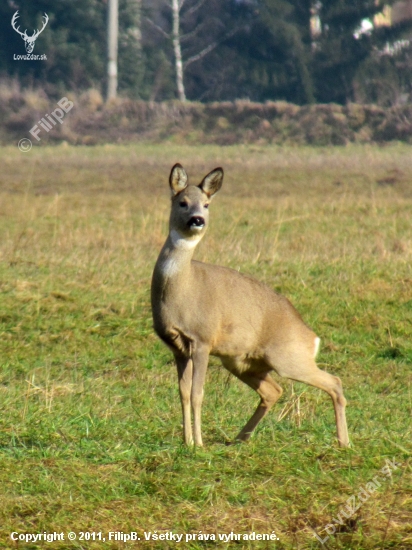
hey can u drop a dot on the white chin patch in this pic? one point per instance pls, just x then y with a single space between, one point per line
179 241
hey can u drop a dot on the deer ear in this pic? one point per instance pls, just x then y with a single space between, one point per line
177 179
212 182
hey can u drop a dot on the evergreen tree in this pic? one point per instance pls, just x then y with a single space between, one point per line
130 53
268 58
256 49
189 31
342 47
74 42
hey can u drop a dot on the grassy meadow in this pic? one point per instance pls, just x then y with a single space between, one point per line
90 424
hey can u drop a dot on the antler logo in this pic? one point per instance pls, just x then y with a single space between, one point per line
29 41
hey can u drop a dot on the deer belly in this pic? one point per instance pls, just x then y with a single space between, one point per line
233 341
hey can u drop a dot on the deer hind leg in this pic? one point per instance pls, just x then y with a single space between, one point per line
185 373
302 368
333 386
269 392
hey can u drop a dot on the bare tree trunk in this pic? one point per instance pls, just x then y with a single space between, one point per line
178 52
112 37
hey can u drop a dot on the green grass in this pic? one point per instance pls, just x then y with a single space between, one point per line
90 424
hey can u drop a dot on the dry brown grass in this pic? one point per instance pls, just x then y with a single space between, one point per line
123 120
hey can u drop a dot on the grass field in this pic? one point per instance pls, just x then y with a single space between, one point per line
90 425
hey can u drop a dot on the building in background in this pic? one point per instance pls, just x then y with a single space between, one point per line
392 15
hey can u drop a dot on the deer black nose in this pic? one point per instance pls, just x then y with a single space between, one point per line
196 221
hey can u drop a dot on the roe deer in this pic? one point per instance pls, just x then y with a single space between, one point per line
201 309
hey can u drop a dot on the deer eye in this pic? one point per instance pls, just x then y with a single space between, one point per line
206 205
183 204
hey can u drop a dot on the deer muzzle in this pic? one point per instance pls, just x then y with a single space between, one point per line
196 222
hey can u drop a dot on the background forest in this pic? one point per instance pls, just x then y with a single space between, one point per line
300 51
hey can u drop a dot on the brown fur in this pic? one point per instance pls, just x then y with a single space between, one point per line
201 309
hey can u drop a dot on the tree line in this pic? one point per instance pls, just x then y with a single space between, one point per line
300 51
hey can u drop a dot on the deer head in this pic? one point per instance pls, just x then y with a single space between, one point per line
29 41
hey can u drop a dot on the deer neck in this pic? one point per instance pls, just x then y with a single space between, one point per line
174 263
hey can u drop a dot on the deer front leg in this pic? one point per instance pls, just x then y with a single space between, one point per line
185 373
200 357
